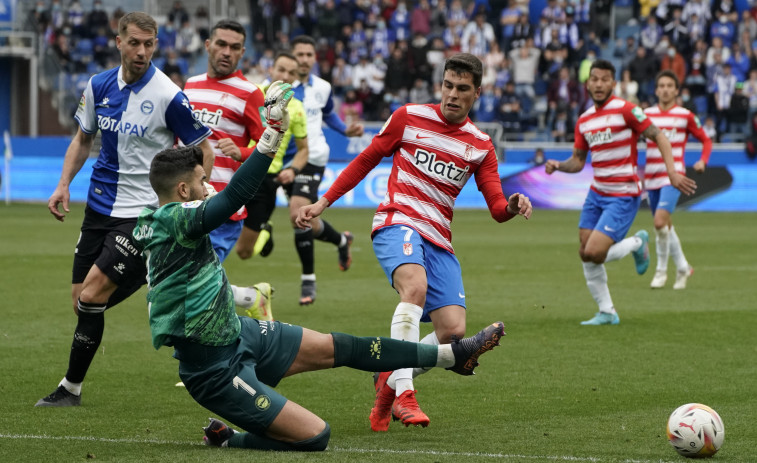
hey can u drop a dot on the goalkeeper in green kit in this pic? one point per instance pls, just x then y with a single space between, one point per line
231 364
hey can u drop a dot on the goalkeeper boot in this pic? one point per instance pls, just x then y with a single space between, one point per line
217 433
307 292
641 255
345 255
603 318
468 350
682 277
60 398
382 407
265 294
255 301
407 410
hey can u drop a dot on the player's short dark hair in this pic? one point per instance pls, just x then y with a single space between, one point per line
303 39
171 165
670 74
142 20
604 65
228 24
284 54
462 63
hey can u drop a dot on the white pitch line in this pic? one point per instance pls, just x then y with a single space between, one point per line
500 456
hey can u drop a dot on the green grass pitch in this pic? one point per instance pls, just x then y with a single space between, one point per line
554 390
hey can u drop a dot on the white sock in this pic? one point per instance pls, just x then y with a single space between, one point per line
662 243
405 326
307 277
73 388
242 296
434 341
623 248
676 251
596 281
444 359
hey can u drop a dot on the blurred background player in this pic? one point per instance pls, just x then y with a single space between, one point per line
435 150
138 111
256 236
610 129
224 100
676 123
316 96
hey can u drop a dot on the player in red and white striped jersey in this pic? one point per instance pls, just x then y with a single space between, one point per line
435 149
676 123
225 101
610 129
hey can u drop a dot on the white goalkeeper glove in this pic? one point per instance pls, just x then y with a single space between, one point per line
211 190
276 115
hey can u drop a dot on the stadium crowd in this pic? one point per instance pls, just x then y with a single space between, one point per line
381 54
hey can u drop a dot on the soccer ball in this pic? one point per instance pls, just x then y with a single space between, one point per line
695 430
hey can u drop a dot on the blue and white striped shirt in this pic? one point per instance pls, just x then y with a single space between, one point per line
136 122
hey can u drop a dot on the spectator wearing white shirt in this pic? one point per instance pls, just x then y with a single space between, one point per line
478 36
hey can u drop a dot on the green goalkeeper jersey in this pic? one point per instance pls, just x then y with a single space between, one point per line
189 297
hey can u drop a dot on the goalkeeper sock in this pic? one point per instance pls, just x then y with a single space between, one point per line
432 340
386 354
87 337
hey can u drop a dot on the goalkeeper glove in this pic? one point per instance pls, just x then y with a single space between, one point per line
211 190
276 115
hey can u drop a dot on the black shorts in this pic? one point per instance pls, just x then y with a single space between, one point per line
260 208
107 242
306 183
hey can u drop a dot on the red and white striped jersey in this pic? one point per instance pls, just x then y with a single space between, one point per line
230 107
611 133
676 123
432 161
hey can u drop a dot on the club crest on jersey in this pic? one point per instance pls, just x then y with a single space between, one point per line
447 170
407 249
600 136
147 107
468 152
670 134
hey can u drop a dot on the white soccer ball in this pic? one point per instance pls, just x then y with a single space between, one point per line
695 430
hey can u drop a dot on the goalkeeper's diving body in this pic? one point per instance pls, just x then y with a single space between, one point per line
231 364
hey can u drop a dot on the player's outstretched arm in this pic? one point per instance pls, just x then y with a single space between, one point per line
575 163
76 154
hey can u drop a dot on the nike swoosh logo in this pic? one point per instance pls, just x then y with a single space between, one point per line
609 229
664 203
418 136
462 296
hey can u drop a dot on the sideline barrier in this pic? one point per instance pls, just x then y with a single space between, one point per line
729 184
